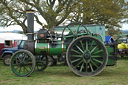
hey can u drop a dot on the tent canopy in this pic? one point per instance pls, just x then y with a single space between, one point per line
11 36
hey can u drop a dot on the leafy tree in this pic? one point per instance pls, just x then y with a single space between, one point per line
12 13
53 11
107 12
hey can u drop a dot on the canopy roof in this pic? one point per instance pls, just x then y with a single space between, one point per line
11 36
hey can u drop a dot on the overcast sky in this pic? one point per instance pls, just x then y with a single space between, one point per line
125 26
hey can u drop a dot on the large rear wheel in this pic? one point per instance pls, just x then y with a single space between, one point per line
23 63
86 56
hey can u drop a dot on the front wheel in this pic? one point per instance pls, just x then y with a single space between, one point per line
23 63
86 56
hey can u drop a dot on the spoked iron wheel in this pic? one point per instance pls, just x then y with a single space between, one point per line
41 62
86 56
23 63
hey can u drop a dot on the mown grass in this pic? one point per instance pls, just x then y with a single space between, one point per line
62 75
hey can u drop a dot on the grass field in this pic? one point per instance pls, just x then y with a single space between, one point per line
62 75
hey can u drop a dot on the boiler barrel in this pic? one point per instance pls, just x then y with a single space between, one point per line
50 49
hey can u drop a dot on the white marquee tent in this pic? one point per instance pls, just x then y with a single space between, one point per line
11 36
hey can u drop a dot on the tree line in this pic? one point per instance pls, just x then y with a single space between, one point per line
110 13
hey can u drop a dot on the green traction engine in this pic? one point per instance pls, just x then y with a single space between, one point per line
85 52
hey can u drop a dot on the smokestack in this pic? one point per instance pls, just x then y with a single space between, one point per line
30 24
30 43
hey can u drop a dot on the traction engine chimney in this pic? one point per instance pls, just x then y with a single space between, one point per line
30 43
30 24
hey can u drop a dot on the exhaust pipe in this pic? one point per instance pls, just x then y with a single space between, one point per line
30 24
30 43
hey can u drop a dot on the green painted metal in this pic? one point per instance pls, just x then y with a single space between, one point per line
22 63
17 68
111 49
59 49
86 56
99 37
41 47
77 35
50 49
98 32
99 29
